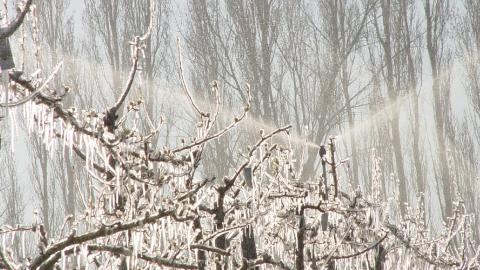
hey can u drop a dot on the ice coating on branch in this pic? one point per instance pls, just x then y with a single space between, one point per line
121 191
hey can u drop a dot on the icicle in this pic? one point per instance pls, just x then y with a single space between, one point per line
32 117
70 137
141 243
23 244
111 204
164 236
51 146
25 110
169 228
135 247
12 130
92 145
175 232
117 178
77 257
154 237
87 151
64 260
196 257
45 134
60 125
40 124
64 140
295 237
189 241
84 254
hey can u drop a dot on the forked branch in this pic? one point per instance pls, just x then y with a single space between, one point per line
11 27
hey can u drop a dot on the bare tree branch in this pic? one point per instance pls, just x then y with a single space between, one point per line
8 30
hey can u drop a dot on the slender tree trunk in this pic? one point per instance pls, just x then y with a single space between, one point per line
299 255
265 33
340 46
386 42
220 241
412 85
435 24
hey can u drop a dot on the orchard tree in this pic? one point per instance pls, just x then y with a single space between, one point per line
147 206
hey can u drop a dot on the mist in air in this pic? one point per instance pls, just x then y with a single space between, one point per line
249 89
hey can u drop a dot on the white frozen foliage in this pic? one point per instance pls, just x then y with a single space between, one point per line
146 207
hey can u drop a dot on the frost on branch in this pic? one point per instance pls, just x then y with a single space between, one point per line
149 207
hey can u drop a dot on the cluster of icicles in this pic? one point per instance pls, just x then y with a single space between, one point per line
273 219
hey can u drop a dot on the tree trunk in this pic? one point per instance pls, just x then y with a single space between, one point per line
299 255
435 24
386 42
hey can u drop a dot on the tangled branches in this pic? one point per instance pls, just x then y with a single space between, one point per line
148 207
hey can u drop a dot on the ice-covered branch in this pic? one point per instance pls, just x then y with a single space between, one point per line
264 259
348 256
111 114
438 261
184 83
103 231
121 250
224 130
229 181
5 262
11 27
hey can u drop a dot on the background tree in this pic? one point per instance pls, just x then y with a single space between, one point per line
210 177
467 143
437 14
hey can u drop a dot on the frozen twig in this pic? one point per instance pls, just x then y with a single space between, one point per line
184 84
151 21
356 254
103 231
11 27
232 179
34 93
441 262
234 123
121 250
111 115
